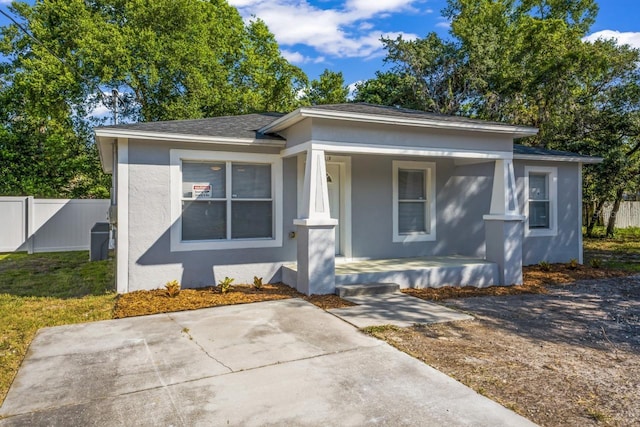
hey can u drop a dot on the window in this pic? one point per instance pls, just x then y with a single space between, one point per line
541 204
226 200
413 201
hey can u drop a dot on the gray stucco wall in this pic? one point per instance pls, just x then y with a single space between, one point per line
386 134
463 196
565 245
152 264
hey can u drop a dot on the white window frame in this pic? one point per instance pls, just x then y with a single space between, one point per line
552 188
179 156
430 186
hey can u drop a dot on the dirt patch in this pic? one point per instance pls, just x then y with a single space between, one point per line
155 301
535 281
567 357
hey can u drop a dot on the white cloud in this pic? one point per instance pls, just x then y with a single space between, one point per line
5 1
338 32
352 89
630 38
443 24
298 58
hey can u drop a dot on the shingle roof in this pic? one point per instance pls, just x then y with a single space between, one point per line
382 110
247 126
244 126
523 150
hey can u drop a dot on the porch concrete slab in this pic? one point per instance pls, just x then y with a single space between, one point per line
395 309
337 377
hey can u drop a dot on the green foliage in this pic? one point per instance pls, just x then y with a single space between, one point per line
170 59
544 266
525 62
388 88
173 288
328 89
257 282
43 290
595 262
573 264
225 284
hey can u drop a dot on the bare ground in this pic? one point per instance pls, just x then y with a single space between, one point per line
568 356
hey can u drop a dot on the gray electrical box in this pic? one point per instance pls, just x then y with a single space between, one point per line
99 249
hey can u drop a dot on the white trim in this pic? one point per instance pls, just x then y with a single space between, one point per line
301 161
552 182
345 202
122 225
310 222
344 162
430 176
497 217
435 123
179 137
580 243
396 150
548 158
176 159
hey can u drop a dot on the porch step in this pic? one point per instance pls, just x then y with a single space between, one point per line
356 289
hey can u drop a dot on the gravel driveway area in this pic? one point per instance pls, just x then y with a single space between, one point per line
570 357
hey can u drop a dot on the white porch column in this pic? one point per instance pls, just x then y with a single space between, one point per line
504 229
316 230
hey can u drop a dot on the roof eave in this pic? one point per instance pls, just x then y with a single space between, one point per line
178 137
555 158
299 114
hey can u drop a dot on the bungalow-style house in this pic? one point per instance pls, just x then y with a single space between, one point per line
337 194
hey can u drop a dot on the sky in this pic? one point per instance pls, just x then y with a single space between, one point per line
344 35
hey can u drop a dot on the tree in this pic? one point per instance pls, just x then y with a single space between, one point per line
170 59
434 72
388 88
328 89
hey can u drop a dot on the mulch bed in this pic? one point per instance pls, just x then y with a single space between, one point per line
155 301
535 279
142 303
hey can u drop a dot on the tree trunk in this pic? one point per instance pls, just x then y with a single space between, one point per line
594 218
611 225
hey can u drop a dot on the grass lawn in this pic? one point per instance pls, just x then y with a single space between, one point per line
622 251
61 288
43 290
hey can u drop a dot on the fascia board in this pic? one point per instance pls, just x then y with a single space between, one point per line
177 137
572 159
299 114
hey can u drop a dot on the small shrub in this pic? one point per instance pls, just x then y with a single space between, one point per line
595 262
544 266
573 264
173 288
257 282
225 284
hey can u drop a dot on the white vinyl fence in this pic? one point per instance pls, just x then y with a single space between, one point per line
628 214
48 225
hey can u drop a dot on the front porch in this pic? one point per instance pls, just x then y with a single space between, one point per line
419 272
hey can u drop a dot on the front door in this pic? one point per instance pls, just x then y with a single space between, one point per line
334 187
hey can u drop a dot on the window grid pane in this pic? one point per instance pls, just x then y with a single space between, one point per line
412 217
538 187
411 184
249 202
196 176
251 219
539 214
204 220
250 181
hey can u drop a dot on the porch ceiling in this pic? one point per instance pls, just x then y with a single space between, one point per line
396 150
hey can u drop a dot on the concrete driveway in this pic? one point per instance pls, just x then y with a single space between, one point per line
273 363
